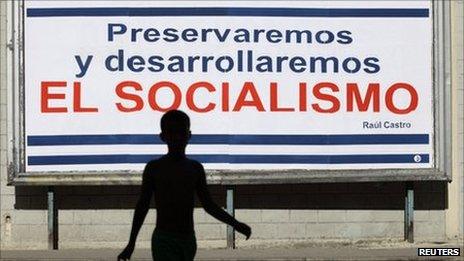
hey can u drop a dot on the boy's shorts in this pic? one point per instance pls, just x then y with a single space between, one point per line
168 246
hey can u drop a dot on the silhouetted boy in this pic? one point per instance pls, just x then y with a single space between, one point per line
174 179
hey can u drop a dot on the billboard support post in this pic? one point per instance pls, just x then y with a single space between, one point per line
409 212
52 219
231 211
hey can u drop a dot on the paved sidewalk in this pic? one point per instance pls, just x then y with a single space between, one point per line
399 251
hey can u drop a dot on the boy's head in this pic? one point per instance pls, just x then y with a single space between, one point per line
175 129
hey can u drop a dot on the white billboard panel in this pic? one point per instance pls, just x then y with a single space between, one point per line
314 85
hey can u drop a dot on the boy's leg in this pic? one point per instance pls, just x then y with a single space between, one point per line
164 248
189 249
169 247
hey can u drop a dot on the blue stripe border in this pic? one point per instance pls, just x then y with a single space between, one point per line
224 158
228 11
150 139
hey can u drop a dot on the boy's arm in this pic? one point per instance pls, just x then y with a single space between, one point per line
213 209
141 210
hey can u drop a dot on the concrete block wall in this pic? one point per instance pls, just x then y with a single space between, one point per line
320 212
457 79
102 216
95 217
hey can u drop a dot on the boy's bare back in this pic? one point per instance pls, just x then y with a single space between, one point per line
174 181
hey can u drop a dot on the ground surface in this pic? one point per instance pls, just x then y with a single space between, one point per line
316 251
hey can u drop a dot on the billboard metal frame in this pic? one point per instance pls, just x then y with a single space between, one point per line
441 74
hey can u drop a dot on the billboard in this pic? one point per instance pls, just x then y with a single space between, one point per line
314 85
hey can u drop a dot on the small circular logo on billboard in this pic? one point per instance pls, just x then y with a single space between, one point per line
417 158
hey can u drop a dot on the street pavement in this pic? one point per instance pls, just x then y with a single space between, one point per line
395 251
